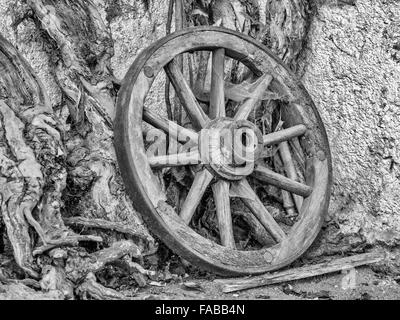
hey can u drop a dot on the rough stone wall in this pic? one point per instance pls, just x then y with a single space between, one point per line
351 68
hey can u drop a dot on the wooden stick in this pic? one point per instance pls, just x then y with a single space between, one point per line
199 186
204 57
175 160
169 16
298 152
222 204
217 98
179 11
179 25
284 135
108 225
69 241
267 175
347 263
290 170
253 202
171 128
288 203
256 228
167 81
186 96
287 198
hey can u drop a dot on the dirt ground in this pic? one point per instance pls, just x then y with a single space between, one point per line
368 286
362 284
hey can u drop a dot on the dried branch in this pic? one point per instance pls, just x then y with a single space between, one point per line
301 273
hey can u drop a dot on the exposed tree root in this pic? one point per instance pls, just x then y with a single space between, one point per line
92 290
31 175
70 241
42 156
26 282
136 235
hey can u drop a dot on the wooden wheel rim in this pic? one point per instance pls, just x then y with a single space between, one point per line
144 189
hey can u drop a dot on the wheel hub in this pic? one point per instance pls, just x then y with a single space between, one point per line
230 148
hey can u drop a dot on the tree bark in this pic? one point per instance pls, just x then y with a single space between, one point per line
50 165
32 155
83 43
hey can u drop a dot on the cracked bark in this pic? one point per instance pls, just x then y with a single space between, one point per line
43 158
83 42
32 175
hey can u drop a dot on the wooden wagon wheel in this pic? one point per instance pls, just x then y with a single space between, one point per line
300 148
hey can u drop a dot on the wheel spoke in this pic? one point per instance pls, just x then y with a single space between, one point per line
284 135
171 128
290 170
175 160
201 181
247 107
222 203
275 179
217 95
186 96
253 202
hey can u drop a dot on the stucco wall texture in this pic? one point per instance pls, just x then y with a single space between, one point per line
351 67
352 71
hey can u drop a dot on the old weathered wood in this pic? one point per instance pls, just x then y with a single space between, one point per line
175 160
179 25
287 197
81 39
200 81
44 149
70 241
186 96
90 289
284 135
171 128
269 176
167 224
255 227
201 181
217 95
290 170
223 207
119 227
167 81
27 282
248 106
298 155
253 202
301 273
30 146
136 267
288 203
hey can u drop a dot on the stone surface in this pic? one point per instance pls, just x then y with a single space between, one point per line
352 71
